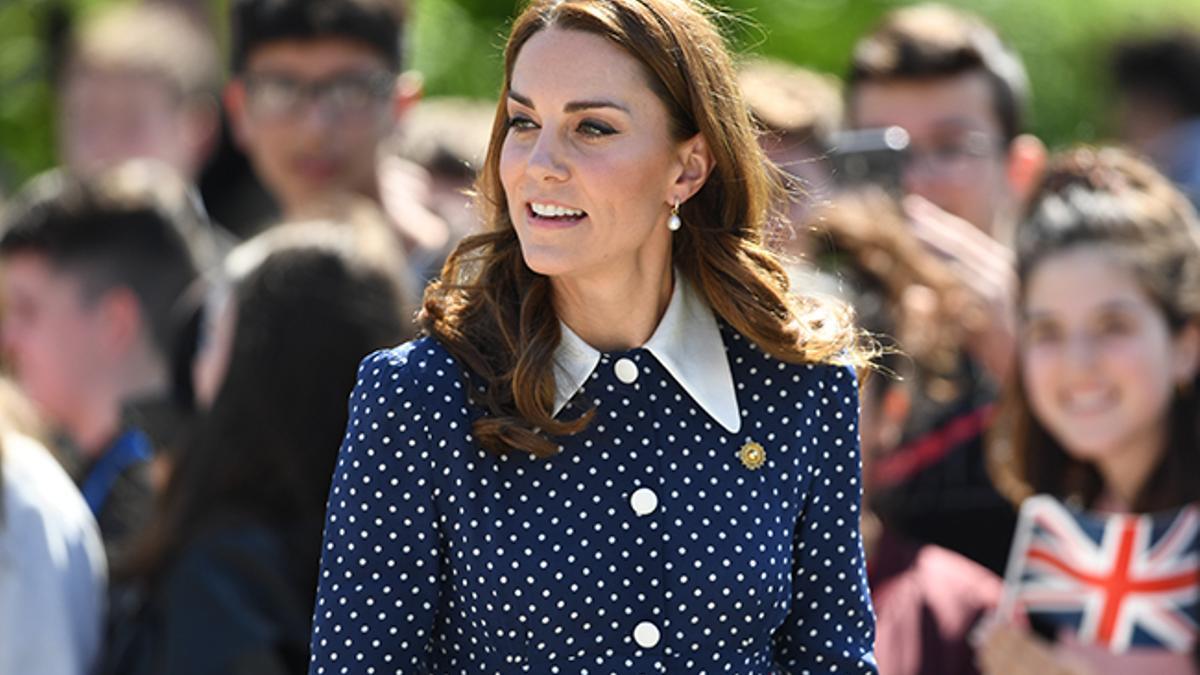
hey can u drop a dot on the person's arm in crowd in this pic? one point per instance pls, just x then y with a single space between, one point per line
985 269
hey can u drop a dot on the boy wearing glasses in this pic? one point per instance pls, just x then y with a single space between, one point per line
317 89
946 78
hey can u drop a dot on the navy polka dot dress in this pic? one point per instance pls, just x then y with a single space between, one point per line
649 544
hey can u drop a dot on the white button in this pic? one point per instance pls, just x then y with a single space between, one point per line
646 634
627 371
643 501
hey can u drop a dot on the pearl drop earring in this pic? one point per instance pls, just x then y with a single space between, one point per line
674 223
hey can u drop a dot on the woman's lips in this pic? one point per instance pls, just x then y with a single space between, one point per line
551 222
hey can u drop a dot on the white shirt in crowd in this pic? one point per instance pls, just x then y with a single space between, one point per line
53 573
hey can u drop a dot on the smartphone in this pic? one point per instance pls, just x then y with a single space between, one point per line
870 157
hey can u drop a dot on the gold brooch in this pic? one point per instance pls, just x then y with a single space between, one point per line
753 455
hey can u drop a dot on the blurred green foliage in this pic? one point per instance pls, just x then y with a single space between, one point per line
29 30
457 44
25 135
1064 44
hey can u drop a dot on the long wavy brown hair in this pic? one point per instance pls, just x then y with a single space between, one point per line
497 316
1107 197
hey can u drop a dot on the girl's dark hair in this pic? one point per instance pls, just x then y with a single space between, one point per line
495 315
1107 197
311 301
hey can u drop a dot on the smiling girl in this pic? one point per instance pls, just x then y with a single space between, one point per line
1103 411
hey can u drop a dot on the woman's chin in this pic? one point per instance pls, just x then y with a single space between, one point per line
549 262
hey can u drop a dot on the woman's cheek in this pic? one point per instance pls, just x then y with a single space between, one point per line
1038 375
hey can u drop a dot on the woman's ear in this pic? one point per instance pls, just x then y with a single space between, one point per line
695 164
1186 354
123 323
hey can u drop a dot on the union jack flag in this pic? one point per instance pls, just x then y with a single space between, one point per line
1118 581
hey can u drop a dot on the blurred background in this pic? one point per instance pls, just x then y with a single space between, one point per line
456 46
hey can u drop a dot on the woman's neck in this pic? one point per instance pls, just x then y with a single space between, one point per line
1125 474
614 311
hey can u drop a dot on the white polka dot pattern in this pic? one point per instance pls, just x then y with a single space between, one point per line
442 558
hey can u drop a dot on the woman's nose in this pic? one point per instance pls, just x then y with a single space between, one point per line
546 161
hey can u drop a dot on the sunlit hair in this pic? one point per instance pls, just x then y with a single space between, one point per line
1107 198
496 315
789 99
899 287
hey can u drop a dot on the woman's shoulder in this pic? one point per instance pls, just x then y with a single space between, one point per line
423 362
747 356
418 381
413 356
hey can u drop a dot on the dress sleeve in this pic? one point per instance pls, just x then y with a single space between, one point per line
831 625
378 587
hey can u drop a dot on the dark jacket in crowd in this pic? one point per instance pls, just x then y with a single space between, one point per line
235 601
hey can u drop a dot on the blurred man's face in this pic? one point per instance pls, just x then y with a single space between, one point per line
959 155
49 334
311 115
107 117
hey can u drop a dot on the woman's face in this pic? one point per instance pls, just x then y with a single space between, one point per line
1099 361
588 165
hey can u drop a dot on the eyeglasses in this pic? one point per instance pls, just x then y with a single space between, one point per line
948 157
279 96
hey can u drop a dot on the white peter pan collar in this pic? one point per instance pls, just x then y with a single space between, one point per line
688 344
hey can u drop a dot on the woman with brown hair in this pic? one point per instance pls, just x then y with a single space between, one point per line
622 446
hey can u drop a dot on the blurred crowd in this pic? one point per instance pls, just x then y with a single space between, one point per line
184 301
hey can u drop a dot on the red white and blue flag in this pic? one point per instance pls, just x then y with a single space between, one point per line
1117 581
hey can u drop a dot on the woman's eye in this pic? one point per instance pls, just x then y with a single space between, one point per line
592 128
520 123
1040 334
1115 326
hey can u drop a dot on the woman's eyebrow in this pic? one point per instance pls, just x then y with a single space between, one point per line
573 106
576 106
